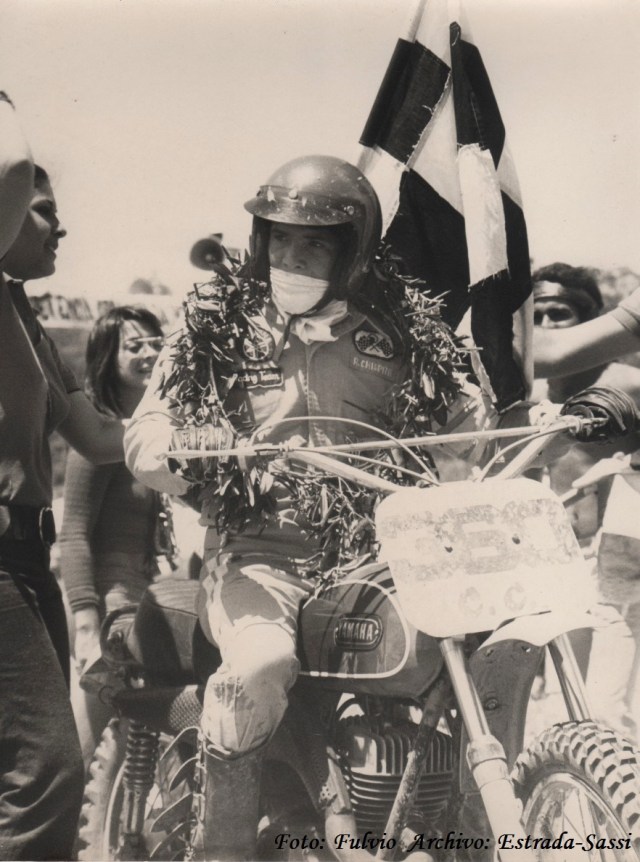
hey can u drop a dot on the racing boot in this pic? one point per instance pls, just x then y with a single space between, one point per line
229 804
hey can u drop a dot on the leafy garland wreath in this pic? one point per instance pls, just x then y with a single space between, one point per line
219 315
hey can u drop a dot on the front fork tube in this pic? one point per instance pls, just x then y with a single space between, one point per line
570 678
485 755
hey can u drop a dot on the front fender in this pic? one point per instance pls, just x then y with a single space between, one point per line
541 629
504 667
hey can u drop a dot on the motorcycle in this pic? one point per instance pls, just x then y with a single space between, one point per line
405 730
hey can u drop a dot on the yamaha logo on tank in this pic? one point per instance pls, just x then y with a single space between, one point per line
358 631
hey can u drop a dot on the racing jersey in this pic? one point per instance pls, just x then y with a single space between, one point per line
285 379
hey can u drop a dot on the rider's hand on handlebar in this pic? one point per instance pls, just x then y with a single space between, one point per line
544 413
615 413
206 438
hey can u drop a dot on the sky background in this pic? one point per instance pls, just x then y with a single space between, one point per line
157 119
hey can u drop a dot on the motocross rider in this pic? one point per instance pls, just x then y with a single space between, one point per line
316 353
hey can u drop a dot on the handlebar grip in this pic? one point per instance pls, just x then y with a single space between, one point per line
612 411
205 438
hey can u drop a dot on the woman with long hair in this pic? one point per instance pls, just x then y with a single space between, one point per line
110 529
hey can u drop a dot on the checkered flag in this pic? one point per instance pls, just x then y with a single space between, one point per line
434 149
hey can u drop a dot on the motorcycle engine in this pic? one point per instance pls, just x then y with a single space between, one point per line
374 753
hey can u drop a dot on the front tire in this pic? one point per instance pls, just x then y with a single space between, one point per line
580 781
100 837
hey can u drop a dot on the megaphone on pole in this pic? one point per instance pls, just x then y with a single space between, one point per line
208 252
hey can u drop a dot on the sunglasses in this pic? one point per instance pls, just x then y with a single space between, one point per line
135 345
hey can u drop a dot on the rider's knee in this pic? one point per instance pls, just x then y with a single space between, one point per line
253 681
263 658
246 698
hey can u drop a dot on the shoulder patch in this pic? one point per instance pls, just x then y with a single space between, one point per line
373 344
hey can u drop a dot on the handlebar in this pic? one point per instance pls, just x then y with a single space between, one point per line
563 423
319 456
514 468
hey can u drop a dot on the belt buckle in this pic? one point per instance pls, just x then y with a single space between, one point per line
47 525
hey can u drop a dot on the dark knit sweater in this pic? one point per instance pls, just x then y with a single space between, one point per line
106 511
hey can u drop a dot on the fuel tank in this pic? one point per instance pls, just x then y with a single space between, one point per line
353 636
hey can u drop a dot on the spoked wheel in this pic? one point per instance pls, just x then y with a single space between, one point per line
580 788
103 832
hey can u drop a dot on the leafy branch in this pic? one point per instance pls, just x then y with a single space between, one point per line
339 514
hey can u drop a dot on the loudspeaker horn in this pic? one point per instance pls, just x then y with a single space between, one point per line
208 252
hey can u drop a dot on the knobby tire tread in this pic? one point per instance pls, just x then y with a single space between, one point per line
596 754
103 772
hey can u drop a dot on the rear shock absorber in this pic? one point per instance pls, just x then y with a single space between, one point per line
138 777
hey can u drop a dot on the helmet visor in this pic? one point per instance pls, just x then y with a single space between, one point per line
290 206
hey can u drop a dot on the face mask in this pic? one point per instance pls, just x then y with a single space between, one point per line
294 293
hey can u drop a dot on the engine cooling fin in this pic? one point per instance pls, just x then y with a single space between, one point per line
373 761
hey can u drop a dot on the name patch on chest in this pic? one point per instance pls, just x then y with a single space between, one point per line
373 344
266 377
372 366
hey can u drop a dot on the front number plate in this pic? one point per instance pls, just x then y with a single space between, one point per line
466 556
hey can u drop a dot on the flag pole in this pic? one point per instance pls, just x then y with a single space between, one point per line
414 20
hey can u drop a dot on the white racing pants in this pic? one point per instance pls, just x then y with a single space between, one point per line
249 610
